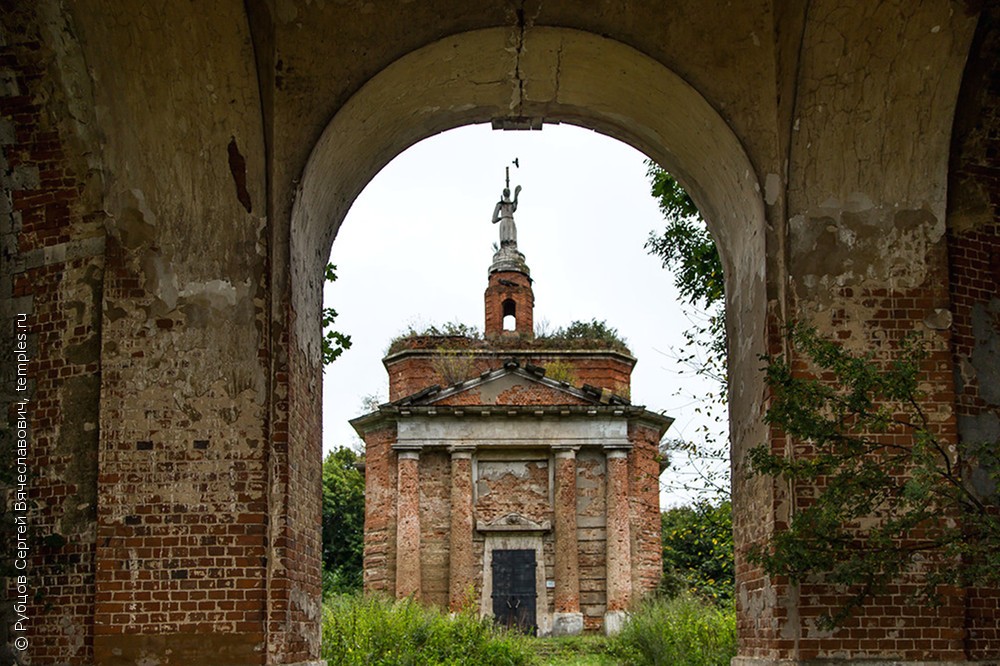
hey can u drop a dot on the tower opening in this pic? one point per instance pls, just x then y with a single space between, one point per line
509 315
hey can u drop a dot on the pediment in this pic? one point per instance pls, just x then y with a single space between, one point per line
511 388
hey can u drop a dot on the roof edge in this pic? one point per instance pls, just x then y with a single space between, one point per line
499 353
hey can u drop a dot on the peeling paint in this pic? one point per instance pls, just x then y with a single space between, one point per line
772 188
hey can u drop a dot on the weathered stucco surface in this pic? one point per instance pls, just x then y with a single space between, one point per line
173 176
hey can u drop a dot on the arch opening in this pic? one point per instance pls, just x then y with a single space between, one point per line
509 315
631 98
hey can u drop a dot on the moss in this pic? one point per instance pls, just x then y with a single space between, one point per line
592 335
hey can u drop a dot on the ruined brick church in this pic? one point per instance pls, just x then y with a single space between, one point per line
534 498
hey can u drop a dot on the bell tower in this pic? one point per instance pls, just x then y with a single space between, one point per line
509 298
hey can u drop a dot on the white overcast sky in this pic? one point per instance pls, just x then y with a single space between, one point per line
416 245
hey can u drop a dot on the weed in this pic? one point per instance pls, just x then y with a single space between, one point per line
683 631
377 631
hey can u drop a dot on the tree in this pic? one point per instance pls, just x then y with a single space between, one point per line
698 550
890 497
685 247
343 521
334 342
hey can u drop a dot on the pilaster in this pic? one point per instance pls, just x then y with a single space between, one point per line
461 574
408 524
619 552
567 619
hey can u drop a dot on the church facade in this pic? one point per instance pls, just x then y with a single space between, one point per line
511 474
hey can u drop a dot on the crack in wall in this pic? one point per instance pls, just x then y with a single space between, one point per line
517 102
523 19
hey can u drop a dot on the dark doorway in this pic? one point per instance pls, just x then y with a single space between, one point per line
514 589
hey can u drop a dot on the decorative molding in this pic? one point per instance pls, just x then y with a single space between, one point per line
513 522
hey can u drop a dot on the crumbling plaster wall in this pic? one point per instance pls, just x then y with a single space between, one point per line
730 62
166 114
183 503
867 180
51 271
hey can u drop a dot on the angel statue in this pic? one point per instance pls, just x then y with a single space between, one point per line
504 214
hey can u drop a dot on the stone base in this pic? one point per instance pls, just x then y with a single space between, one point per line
567 624
614 621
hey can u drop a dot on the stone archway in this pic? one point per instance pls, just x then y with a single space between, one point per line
171 295
560 75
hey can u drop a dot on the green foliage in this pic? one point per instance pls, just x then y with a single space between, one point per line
375 631
561 371
683 631
577 335
343 522
580 650
684 245
698 551
889 494
588 330
334 342
451 334
453 366
451 329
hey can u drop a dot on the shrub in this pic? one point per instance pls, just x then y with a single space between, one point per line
561 371
683 631
577 335
591 334
453 366
380 632
698 550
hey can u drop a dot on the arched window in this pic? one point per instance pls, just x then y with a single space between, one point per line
509 315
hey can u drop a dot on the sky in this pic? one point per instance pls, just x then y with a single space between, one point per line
416 245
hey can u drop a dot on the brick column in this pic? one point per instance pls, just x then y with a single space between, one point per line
619 537
567 619
461 576
408 524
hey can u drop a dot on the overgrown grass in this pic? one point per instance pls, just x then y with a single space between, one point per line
589 650
379 632
683 631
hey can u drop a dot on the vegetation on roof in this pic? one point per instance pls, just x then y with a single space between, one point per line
584 335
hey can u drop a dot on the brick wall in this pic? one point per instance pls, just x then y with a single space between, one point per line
974 265
591 523
413 371
504 487
892 623
182 520
644 502
435 526
515 287
295 513
380 512
52 269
